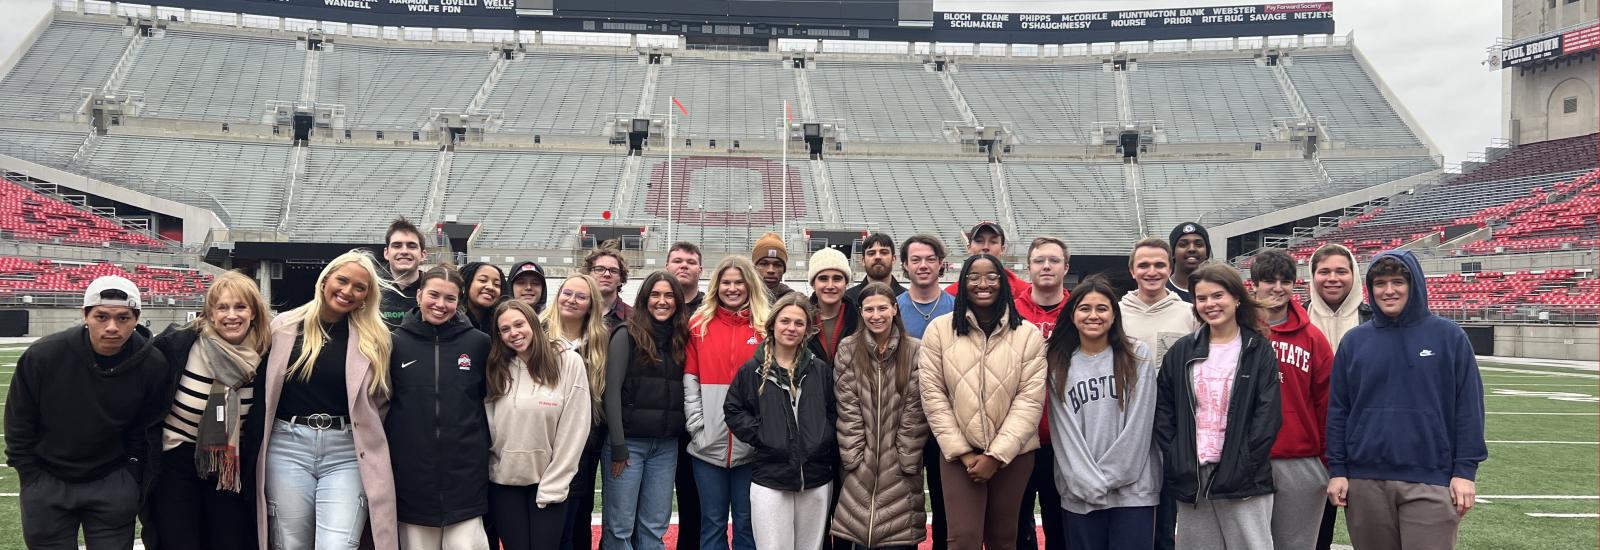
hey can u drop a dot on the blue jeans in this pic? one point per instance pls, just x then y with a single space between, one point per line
638 503
314 493
722 489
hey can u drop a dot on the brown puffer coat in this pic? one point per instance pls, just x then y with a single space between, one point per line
982 392
881 434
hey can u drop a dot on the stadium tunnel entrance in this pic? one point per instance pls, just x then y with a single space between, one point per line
288 271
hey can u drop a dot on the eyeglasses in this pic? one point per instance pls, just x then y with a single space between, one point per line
574 295
990 278
603 270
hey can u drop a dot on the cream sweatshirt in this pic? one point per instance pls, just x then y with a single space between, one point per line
1159 325
537 432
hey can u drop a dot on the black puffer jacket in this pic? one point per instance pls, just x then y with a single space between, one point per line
790 426
437 427
1254 416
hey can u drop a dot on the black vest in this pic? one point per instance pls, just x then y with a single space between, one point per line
652 394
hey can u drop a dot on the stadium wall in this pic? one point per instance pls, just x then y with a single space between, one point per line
1578 343
44 321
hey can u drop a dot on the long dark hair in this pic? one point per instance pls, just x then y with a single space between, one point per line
640 322
1066 340
1250 313
545 354
865 344
1004 306
468 273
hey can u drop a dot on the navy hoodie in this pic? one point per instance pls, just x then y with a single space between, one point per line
1406 402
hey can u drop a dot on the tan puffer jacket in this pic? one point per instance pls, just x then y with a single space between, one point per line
983 391
881 434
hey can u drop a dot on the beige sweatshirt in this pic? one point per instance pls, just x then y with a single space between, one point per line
537 432
1158 325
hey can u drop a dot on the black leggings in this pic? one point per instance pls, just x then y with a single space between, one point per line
189 513
521 523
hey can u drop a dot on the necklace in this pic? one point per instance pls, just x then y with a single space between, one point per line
933 307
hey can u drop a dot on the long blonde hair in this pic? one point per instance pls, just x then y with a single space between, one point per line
365 320
596 337
755 297
244 289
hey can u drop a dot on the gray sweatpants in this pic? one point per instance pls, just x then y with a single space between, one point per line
1234 524
789 520
1301 493
1395 515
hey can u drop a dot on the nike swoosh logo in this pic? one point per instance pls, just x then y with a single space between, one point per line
406 364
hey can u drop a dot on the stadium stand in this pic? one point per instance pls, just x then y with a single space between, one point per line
397 87
1555 156
726 98
1367 171
27 215
941 198
529 200
1042 103
387 182
1338 88
207 76
1086 204
1562 224
50 80
247 178
879 101
1200 100
1178 191
24 277
54 144
566 93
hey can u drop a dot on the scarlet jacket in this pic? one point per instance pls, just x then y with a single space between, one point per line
711 360
1304 363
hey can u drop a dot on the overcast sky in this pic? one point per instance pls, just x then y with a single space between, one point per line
1429 52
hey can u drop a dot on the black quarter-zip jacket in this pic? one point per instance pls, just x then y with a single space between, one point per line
1254 416
437 427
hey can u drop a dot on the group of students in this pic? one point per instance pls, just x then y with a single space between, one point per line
415 408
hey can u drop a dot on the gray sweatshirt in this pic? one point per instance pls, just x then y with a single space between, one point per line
1105 456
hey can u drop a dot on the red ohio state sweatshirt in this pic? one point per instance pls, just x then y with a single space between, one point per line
1305 362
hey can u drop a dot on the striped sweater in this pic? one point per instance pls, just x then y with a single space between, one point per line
182 424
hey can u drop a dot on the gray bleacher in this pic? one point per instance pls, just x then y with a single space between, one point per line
246 178
726 98
47 83
1443 203
1179 191
1044 103
396 87
204 76
1085 204
352 193
1208 100
741 196
56 147
566 94
886 102
1363 172
530 200
903 197
1336 88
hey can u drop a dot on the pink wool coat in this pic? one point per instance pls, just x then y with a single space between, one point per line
366 418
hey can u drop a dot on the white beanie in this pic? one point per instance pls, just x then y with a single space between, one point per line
828 259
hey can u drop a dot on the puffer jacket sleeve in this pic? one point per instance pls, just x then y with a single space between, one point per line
851 426
935 397
912 434
694 412
1022 420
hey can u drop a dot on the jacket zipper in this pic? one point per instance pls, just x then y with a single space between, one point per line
1194 409
877 409
436 413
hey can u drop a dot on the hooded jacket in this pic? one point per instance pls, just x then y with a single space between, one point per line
1304 363
882 431
538 431
1406 400
788 420
1045 321
982 392
711 361
438 430
1159 325
71 420
1336 322
1254 416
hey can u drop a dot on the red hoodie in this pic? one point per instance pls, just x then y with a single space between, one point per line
1304 363
1046 321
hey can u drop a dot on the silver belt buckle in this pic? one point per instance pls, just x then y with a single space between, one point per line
319 421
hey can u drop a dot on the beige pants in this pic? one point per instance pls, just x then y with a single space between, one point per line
465 535
1385 515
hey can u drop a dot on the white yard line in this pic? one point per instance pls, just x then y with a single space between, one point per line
1591 376
1567 516
1544 414
1545 442
1540 497
1547 385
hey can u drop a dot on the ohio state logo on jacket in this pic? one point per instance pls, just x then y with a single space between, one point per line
464 362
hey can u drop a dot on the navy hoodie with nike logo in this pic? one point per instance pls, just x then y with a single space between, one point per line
1406 401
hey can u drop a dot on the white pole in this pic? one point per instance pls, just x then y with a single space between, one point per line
672 101
783 143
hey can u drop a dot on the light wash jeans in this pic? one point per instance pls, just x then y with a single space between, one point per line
722 490
314 494
638 503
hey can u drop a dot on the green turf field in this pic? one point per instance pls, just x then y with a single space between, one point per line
1537 491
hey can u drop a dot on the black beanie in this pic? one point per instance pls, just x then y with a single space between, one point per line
1186 228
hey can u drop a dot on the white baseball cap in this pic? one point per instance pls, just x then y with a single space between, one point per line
91 296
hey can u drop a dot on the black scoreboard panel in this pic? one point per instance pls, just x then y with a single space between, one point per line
861 12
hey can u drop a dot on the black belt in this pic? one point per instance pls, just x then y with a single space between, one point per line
321 421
